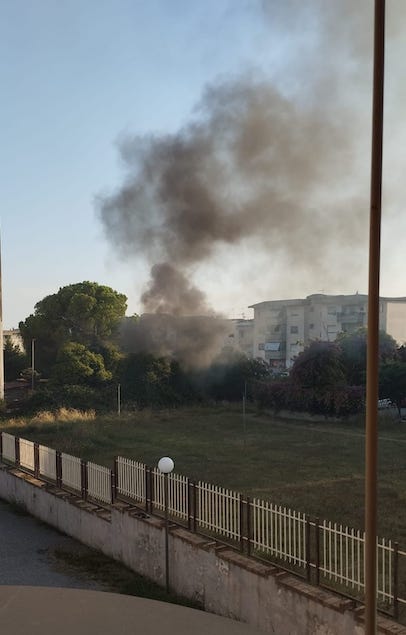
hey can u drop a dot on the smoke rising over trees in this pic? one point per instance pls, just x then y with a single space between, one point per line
277 163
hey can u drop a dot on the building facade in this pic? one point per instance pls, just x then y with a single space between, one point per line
282 328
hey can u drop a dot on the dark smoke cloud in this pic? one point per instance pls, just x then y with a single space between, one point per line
182 299
281 164
193 340
252 165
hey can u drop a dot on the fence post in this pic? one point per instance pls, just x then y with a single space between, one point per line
112 487
307 538
194 508
317 552
146 488
151 490
1 445
17 450
189 504
241 505
248 526
58 468
36 460
83 474
115 475
395 580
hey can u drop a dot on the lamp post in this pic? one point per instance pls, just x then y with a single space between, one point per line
166 466
371 433
32 363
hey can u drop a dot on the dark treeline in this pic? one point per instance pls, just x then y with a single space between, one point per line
82 359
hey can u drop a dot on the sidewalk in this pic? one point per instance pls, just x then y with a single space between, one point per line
46 611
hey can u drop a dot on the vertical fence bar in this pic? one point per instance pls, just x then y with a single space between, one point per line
189 505
58 468
36 460
17 450
248 506
194 508
317 547
115 479
241 528
83 477
146 477
151 490
1 445
113 491
395 580
307 549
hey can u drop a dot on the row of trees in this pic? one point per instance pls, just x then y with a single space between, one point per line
81 360
329 377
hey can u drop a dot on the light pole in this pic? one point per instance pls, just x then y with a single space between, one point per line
166 466
32 363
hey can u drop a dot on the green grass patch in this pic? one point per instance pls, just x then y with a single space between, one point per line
317 468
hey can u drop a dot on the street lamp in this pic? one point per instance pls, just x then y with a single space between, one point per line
166 465
32 364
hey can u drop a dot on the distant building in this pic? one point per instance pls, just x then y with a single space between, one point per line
282 328
15 337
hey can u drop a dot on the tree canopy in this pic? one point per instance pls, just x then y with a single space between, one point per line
14 360
354 353
85 312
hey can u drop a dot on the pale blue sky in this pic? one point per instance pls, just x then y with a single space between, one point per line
78 74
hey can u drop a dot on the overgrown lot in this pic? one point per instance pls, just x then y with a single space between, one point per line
317 468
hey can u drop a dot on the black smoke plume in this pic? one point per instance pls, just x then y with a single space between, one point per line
280 169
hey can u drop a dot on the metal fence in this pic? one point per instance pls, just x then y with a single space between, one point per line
131 479
325 553
47 462
99 483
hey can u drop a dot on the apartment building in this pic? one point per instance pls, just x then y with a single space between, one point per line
282 328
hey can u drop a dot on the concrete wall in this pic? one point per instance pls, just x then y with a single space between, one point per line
225 582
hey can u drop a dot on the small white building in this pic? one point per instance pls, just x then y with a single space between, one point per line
15 336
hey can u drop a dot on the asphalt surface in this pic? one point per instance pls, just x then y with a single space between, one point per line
36 597
39 611
26 553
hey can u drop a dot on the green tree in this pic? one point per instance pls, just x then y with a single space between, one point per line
318 366
354 353
15 360
392 382
86 312
146 380
76 364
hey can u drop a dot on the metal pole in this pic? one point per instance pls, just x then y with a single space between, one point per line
371 433
166 534
119 399
32 363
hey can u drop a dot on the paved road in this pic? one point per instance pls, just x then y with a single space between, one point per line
27 566
26 553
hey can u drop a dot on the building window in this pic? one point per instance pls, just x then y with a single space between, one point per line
311 326
277 327
294 329
261 347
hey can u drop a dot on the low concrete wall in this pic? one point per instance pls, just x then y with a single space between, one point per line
224 581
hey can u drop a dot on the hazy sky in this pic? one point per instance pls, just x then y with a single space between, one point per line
88 84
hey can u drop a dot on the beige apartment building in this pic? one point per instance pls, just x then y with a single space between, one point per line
282 328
